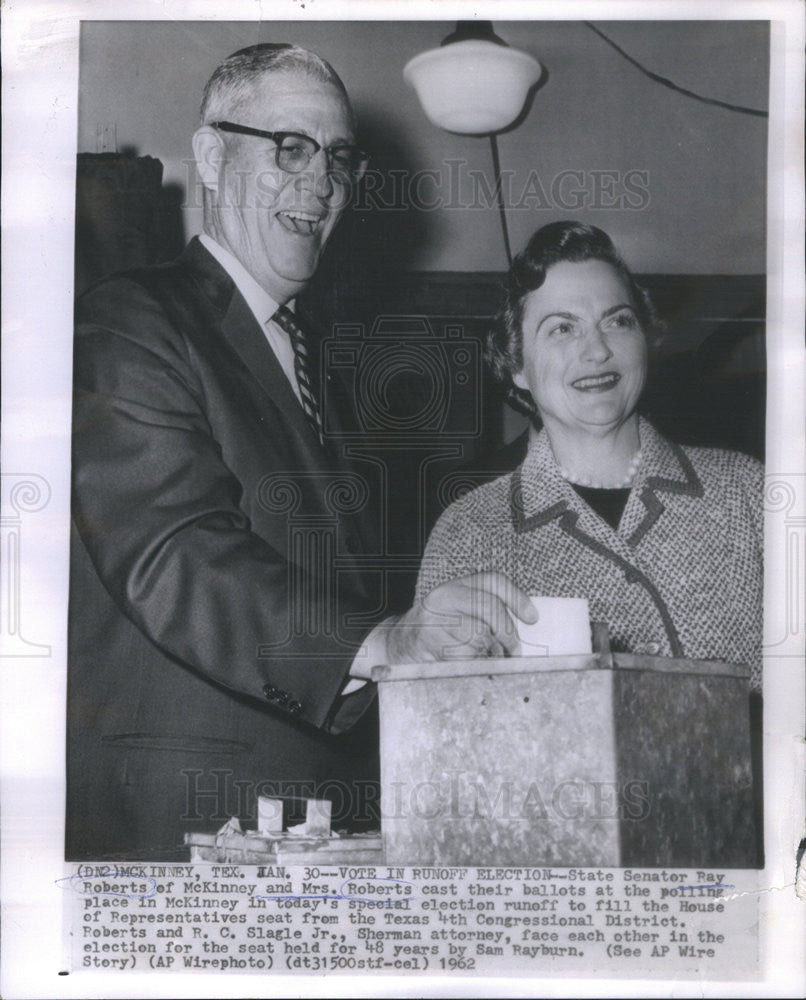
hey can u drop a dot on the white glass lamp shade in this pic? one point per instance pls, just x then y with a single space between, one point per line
473 86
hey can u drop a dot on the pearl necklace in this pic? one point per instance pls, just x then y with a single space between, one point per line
598 485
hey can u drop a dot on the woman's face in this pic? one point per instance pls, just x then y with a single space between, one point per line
584 352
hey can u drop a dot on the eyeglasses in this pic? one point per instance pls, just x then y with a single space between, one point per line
345 163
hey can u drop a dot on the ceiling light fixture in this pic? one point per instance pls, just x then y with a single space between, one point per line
474 84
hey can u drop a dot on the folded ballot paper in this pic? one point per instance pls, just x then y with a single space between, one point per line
562 628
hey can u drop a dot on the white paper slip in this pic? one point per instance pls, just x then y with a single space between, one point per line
562 628
269 815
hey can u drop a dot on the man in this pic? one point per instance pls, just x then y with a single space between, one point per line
221 626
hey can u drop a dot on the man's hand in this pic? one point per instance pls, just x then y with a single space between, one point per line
461 619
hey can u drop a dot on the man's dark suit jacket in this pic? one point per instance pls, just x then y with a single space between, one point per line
209 640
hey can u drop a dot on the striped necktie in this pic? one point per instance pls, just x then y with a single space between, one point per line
287 321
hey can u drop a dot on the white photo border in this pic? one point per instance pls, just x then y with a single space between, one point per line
40 88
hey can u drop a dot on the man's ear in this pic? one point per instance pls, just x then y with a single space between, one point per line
519 380
208 148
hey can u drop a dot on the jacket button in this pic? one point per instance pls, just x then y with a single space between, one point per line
631 575
270 691
294 708
282 698
648 648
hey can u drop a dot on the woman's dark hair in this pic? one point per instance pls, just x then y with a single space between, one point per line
571 242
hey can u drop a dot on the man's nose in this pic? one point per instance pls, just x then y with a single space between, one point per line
595 346
316 177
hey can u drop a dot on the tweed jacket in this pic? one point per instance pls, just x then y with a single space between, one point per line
682 575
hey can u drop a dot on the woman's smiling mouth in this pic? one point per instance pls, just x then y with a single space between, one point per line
597 383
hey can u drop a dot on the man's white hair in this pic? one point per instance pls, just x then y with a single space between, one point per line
231 87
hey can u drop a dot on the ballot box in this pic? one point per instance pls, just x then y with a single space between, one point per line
589 760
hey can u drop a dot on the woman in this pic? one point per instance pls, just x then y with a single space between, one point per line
664 541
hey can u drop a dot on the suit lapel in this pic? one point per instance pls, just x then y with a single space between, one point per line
269 386
242 333
666 472
539 495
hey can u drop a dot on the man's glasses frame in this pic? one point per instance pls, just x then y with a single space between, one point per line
295 150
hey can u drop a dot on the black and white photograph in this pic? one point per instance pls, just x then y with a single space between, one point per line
403 515
252 503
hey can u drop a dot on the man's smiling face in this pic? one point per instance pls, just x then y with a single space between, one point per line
277 223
